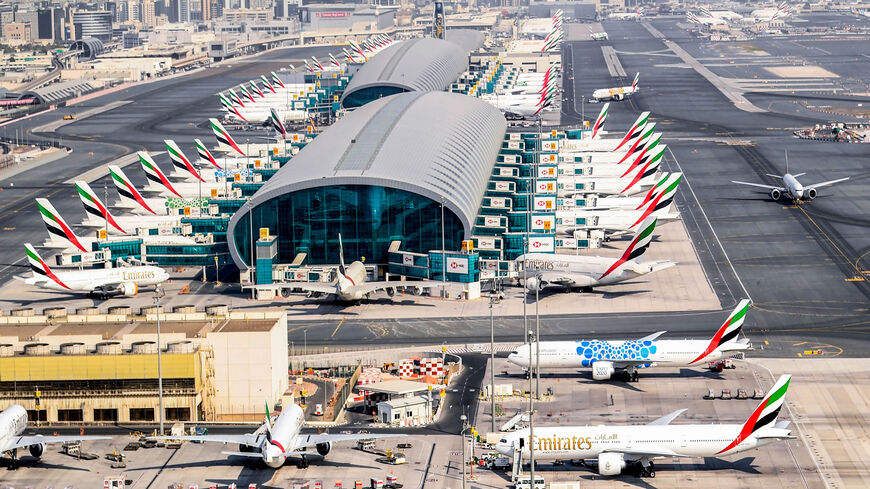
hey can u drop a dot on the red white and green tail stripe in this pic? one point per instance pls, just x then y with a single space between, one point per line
599 122
94 206
225 141
154 174
728 331
647 150
204 153
57 226
179 160
765 414
256 88
277 80
662 199
246 93
275 121
230 106
267 84
236 98
40 268
638 246
640 142
635 129
127 190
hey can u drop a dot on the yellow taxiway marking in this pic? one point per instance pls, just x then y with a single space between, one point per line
855 279
799 343
766 342
336 328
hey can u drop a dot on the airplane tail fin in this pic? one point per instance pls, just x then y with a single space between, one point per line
204 153
180 161
599 122
639 244
646 137
276 123
635 130
256 88
729 330
246 92
662 194
39 268
267 83
646 151
634 83
127 191
342 267
225 141
236 98
765 414
230 107
94 206
154 174
57 227
277 80
334 61
268 423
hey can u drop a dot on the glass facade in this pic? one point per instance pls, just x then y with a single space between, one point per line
363 96
368 218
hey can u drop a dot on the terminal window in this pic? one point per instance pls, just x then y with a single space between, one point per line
141 414
106 415
70 415
178 414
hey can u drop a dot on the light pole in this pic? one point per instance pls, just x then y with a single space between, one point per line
443 254
492 353
158 294
464 420
531 416
537 342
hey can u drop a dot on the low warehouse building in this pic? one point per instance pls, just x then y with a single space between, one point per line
216 367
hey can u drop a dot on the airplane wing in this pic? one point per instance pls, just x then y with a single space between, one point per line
653 336
567 279
648 453
759 185
322 287
825 184
26 441
369 287
246 439
666 419
303 441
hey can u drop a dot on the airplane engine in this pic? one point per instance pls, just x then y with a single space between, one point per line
811 193
610 463
323 448
37 450
775 194
533 284
602 370
391 291
618 97
128 289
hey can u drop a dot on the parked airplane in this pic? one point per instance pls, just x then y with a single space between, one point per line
626 15
585 272
99 282
607 358
13 422
131 199
791 188
617 447
351 285
617 93
599 36
274 443
704 20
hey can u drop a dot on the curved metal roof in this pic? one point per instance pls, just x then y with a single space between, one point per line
91 47
421 64
390 143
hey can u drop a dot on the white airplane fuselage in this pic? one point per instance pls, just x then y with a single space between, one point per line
589 269
89 280
584 442
284 430
13 422
616 93
582 353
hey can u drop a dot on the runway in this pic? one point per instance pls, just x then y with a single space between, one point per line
169 108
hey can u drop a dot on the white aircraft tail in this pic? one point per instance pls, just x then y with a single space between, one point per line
59 232
95 208
599 122
130 196
635 130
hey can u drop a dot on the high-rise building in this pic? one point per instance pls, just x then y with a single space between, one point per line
18 31
146 13
7 16
92 23
208 7
50 24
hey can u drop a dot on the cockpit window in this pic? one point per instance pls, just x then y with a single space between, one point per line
515 352
503 440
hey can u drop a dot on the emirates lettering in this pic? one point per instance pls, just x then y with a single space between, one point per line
134 276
